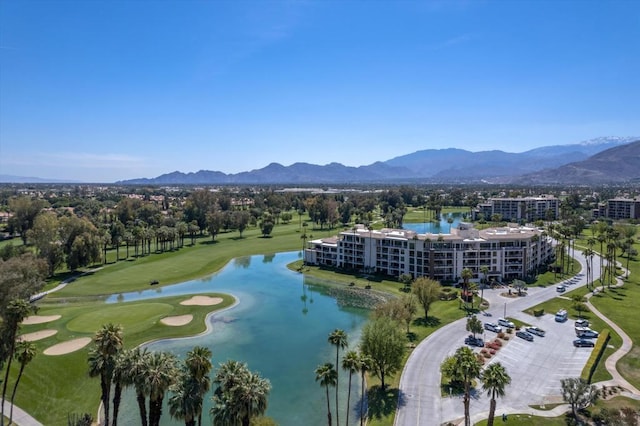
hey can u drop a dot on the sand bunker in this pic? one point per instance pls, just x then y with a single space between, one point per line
37 335
68 347
177 320
40 319
202 301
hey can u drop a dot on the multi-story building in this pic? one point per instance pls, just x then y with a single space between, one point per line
619 209
503 253
527 209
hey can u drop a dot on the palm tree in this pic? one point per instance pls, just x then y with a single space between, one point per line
466 275
120 371
185 401
252 397
16 311
494 379
327 376
351 363
464 367
485 271
134 365
25 352
199 365
338 338
108 343
161 374
365 365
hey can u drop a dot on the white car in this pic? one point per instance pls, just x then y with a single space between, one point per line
492 327
506 323
535 330
586 332
561 289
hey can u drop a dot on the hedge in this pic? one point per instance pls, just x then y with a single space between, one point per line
596 354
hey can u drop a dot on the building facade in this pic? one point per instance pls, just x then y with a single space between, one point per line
619 209
527 209
506 253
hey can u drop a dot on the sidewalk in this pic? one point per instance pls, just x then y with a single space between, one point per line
20 417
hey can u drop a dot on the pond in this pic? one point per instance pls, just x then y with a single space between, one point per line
279 328
440 227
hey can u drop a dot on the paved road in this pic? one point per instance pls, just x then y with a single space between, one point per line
420 402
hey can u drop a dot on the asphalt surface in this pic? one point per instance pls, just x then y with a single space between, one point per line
535 367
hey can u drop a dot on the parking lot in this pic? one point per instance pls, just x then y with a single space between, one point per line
537 367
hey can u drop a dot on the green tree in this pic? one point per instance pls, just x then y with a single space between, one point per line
134 365
327 376
198 363
240 396
25 210
578 393
474 325
365 366
463 366
383 341
338 338
466 275
20 278
350 363
426 291
45 236
24 354
16 312
102 359
494 380
160 376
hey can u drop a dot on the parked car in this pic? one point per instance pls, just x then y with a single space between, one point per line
474 341
535 330
506 323
583 343
582 323
586 332
525 335
561 315
491 326
561 288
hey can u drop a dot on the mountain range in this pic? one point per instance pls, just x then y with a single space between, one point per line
558 164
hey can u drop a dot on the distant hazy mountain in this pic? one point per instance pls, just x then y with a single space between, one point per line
615 165
25 179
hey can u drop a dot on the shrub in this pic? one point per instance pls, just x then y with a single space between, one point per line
596 354
538 312
501 334
498 342
487 355
505 338
492 351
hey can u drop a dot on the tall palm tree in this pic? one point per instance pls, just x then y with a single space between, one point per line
25 352
108 343
365 365
327 376
350 363
588 253
15 312
101 365
464 367
161 374
494 380
198 363
466 275
485 271
134 364
252 396
120 370
185 402
338 338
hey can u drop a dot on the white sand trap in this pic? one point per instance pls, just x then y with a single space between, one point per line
68 347
177 321
202 301
37 335
40 319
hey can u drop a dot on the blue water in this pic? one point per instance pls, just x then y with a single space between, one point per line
279 328
441 227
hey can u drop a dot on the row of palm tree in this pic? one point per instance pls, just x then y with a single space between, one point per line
327 374
152 375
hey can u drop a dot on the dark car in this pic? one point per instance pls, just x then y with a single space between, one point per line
525 335
474 341
583 343
535 330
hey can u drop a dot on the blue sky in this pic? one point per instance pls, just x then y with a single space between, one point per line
106 90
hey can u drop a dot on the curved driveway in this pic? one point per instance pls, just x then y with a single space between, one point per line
420 402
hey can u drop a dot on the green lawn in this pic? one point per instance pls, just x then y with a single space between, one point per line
54 386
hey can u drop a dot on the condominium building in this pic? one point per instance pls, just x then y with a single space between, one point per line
507 253
527 209
619 209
